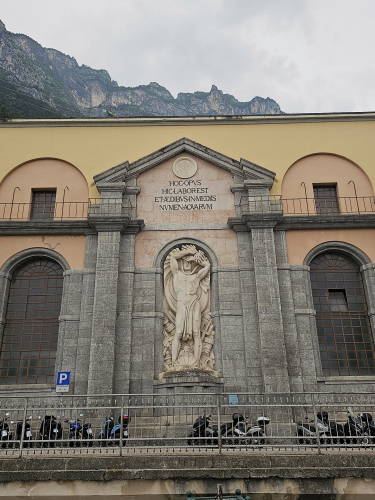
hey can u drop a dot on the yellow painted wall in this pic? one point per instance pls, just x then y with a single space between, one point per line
300 242
275 146
72 248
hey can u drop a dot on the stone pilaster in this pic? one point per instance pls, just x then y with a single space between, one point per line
85 325
368 278
104 309
306 326
288 314
69 322
4 290
271 331
123 345
250 314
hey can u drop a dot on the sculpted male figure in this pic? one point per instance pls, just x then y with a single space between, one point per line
186 283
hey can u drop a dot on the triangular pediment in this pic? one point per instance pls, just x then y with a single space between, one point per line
243 169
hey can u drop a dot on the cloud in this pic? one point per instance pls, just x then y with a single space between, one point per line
309 55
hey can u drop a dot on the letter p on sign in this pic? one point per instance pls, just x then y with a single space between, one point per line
62 381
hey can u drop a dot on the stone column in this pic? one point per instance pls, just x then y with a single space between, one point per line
288 314
85 325
69 322
108 221
255 382
4 290
271 331
102 349
368 277
123 346
306 326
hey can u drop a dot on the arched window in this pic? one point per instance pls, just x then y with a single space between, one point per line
344 332
28 349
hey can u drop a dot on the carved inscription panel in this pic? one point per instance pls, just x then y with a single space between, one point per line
185 190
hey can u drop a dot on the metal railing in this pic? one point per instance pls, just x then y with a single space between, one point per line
164 424
356 205
57 211
66 210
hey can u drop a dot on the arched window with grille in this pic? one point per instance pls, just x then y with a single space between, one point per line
343 327
28 349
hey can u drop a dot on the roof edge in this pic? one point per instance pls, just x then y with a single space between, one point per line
191 120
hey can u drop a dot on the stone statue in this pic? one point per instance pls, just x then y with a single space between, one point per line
188 328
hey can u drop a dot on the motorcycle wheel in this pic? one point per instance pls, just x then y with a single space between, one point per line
257 439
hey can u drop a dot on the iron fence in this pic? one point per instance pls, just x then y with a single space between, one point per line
64 210
149 424
356 205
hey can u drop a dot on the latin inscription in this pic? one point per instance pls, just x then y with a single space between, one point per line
187 194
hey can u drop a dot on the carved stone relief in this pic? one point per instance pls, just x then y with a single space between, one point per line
188 327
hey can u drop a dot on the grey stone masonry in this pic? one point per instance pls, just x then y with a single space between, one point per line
123 345
306 326
288 314
271 332
85 325
368 278
104 313
250 314
4 287
69 322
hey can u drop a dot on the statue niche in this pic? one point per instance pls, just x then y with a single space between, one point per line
188 327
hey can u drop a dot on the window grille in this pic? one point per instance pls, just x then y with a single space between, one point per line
43 204
344 332
29 344
325 196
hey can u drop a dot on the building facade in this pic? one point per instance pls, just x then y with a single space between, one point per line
204 254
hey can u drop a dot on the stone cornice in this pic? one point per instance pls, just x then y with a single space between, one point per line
72 227
285 223
327 221
120 223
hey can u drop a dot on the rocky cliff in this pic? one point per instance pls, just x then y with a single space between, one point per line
36 82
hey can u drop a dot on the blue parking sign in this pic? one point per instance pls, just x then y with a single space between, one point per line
62 381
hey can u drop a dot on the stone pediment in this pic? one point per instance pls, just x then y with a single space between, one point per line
243 171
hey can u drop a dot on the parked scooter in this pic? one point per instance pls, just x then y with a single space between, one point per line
359 429
111 433
27 432
203 432
321 430
87 434
50 431
6 435
238 431
105 432
120 431
75 433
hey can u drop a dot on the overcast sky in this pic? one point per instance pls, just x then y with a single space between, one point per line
309 55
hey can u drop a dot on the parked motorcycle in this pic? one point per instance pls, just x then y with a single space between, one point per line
359 429
50 431
111 433
120 431
105 432
321 430
6 435
75 433
238 431
87 434
27 432
203 432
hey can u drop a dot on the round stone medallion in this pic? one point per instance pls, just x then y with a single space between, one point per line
184 167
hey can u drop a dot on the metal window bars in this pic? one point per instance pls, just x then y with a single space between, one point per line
154 424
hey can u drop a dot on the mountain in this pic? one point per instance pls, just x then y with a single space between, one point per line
36 82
